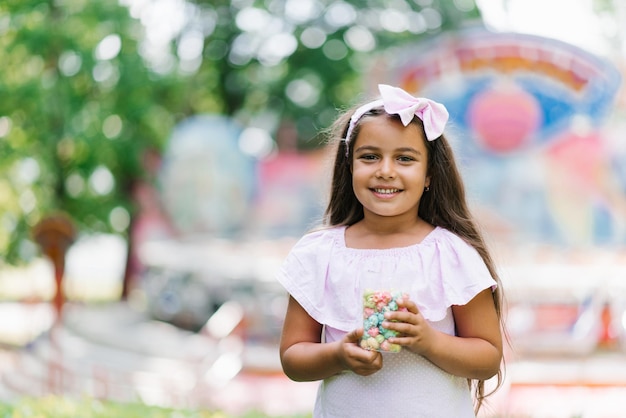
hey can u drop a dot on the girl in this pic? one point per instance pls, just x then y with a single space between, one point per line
397 212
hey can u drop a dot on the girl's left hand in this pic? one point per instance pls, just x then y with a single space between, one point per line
415 333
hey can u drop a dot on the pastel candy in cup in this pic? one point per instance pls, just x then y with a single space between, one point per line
375 304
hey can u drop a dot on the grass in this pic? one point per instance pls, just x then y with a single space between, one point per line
61 407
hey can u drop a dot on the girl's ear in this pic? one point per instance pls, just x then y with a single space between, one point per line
427 181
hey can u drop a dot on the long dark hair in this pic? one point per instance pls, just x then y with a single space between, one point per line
444 205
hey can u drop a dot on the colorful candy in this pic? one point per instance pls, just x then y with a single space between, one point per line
375 304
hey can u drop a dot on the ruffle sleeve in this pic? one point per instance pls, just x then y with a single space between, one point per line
454 273
314 276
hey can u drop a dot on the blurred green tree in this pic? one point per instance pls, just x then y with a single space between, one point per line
79 108
89 86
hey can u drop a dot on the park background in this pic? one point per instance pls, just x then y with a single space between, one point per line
159 158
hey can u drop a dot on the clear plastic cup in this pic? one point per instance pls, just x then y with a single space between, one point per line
375 303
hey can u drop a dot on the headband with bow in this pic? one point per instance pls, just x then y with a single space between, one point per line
397 101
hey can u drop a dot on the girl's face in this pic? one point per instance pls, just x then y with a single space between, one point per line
389 167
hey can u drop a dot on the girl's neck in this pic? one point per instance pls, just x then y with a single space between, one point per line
386 233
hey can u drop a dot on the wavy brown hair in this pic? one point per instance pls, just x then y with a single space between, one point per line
444 205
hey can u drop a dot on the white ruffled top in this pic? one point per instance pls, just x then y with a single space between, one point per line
327 279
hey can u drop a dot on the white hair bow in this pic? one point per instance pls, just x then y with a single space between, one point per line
397 101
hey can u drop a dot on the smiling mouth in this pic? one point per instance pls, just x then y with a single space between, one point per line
387 191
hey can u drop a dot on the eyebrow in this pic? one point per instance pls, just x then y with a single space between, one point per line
402 149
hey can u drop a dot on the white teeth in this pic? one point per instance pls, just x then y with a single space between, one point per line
386 191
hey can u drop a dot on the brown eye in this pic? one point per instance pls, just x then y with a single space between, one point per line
368 157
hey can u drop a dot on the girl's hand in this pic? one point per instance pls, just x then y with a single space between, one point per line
353 357
474 352
414 331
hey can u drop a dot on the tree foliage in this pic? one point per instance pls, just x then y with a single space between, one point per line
89 86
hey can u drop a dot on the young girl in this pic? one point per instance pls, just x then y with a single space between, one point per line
397 215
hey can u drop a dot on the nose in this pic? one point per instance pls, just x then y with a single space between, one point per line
386 169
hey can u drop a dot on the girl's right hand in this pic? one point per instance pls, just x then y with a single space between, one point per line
353 357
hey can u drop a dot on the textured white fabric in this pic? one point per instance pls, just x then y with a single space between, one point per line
327 278
408 385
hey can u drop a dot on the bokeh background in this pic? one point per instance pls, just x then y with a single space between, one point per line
159 158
